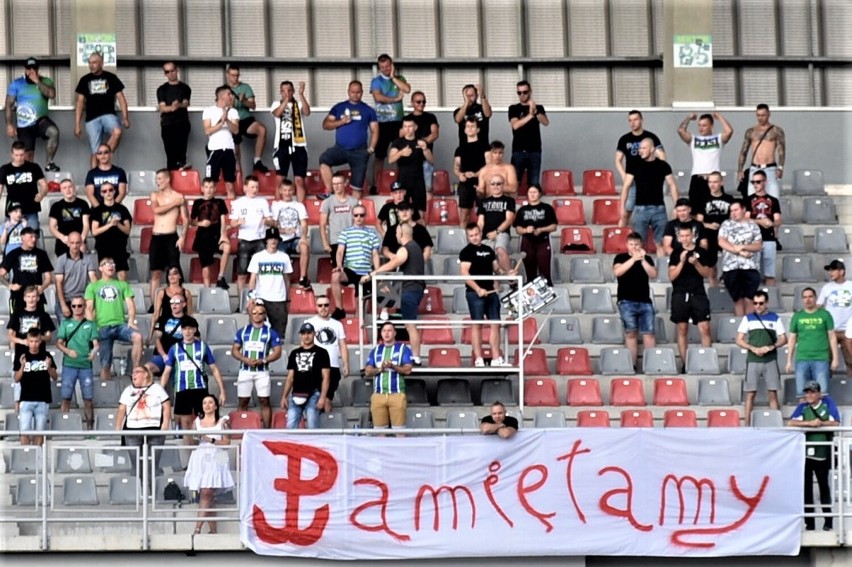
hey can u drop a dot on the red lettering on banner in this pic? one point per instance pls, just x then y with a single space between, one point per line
698 484
523 490
436 522
491 480
383 503
626 512
575 450
751 502
294 486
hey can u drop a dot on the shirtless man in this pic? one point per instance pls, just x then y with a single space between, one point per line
166 244
496 167
768 146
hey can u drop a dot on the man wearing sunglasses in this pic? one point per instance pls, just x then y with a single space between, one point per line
172 102
357 254
526 118
428 130
256 346
330 334
765 210
111 224
105 172
74 270
78 341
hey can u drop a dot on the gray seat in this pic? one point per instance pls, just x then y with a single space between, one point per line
460 306
607 330
713 392
798 269
659 361
419 419
105 419
168 459
160 484
365 419
702 360
133 275
841 391
587 269
139 295
361 391
220 331
548 418
737 360
452 266
72 460
808 182
125 490
316 242
791 397
415 392
7 394
27 491
5 296
213 300
453 392
333 420
106 394
616 361
564 331
11 427
726 329
562 305
830 240
114 460
775 302
767 418
24 460
66 421
294 324
141 182
79 491
450 240
225 361
596 299
496 390
660 330
791 238
720 300
462 419
819 210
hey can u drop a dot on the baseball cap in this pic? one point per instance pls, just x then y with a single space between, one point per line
272 233
835 265
397 186
306 328
187 321
683 201
812 386
31 62
13 206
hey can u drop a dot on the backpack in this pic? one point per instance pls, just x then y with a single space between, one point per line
173 492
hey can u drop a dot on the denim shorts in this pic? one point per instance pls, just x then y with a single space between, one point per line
410 304
637 316
630 203
33 414
109 335
482 308
357 160
97 127
70 376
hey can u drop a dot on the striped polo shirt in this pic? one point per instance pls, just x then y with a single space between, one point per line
360 243
256 343
187 360
389 381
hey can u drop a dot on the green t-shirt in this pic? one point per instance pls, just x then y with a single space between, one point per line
242 109
80 342
811 331
822 413
109 297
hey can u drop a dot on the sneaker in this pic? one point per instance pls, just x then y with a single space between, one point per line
306 284
499 362
828 527
323 196
374 190
151 309
416 360
185 166
338 314
51 167
479 363
260 168
222 283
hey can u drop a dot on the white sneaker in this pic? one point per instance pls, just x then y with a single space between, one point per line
479 363
499 362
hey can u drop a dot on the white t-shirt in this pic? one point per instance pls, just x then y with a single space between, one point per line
148 411
837 300
254 210
328 334
706 154
272 279
222 139
289 216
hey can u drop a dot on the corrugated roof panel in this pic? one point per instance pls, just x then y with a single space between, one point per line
546 18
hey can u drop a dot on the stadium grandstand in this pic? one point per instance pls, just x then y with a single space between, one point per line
776 73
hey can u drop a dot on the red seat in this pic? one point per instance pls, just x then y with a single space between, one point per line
569 211
523 185
592 418
723 418
222 191
189 240
584 392
186 181
437 335
145 239
432 302
244 420
606 212
680 418
557 182
441 183
598 182
313 208
142 212
572 361
637 418
324 270
351 326
576 240
445 358
302 301
627 392
540 392
268 183
388 177
615 239
279 419
313 183
535 363
370 219
670 392
350 301
442 212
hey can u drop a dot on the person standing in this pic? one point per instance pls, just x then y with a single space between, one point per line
627 154
28 266
67 216
11 239
761 334
97 93
330 334
633 270
269 279
496 217
470 157
357 254
250 214
211 237
221 123
739 239
172 102
410 154
77 339
683 215
812 343
30 316
765 210
244 103
111 224
74 271
388 364
24 184
526 119
36 368
28 97
308 377
170 209
687 270
706 148
335 216
166 332
256 346
105 172
291 144
472 109
767 143
406 215
712 212
428 130
534 223
291 218
836 297
143 406
388 89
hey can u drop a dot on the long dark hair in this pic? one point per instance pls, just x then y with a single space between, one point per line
215 401
179 271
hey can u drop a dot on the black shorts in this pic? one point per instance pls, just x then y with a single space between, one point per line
388 132
163 252
415 188
283 158
467 194
333 383
354 279
206 244
699 190
245 250
30 134
118 255
189 402
741 284
690 308
224 162
245 123
333 255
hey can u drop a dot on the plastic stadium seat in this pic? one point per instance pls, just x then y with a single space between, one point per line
419 419
444 358
791 239
279 419
584 392
591 418
637 418
808 182
564 331
713 392
441 183
841 391
535 362
819 210
720 300
145 236
313 183
670 392
351 326
143 213
66 422
222 190
105 394
186 181
72 460
830 240
530 325
596 299
615 240
432 302
453 392
606 212
726 329
540 392
573 361
462 419
557 182
680 418
437 336
361 390
244 420
736 360
450 240
659 361
627 392
569 211
587 270
562 305
607 330
105 419
496 390
702 360
324 270
79 491
598 182
615 361
452 267
387 178
546 418
160 484
312 207
767 418
798 269
575 240
217 301
220 331
415 392
442 212
723 418
347 295
27 491
268 183
125 490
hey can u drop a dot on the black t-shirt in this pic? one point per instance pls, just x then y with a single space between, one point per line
307 365
209 209
764 207
22 321
527 138
472 154
170 328
389 215
167 94
508 420
35 382
113 238
649 177
26 267
474 111
494 210
481 260
97 177
69 216
633 285
420 235
99 92
22 185
689 280
424 124
409 164
536 216
628 144
673 226
717 209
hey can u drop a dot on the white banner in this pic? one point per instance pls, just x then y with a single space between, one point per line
673 492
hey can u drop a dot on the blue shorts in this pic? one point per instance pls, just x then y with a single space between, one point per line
158 361
33 414
70 376
411 304
630 203
482 308
100 126
357 160
289 247
637 316
108 335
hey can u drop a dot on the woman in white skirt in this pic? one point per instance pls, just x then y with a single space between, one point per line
208 469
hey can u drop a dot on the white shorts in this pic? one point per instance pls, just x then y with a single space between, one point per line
248 380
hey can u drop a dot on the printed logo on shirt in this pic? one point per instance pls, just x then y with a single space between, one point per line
305 361
271 268
108 293
19 178
28 263
98 87
326 336
71 214
707 143
27 323
36 366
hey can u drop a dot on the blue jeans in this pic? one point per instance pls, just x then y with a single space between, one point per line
70 376
483 307
529 162
806 370
108 335
32 220
357 160
428 174
637 316
294 412
653 215
100 126
33 416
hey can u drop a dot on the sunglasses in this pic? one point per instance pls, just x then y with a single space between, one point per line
522 93
496 183
358 215
418 102
176 301
76 306
105 191
103 153
758 181
323 305
759 302
108 264
167 71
